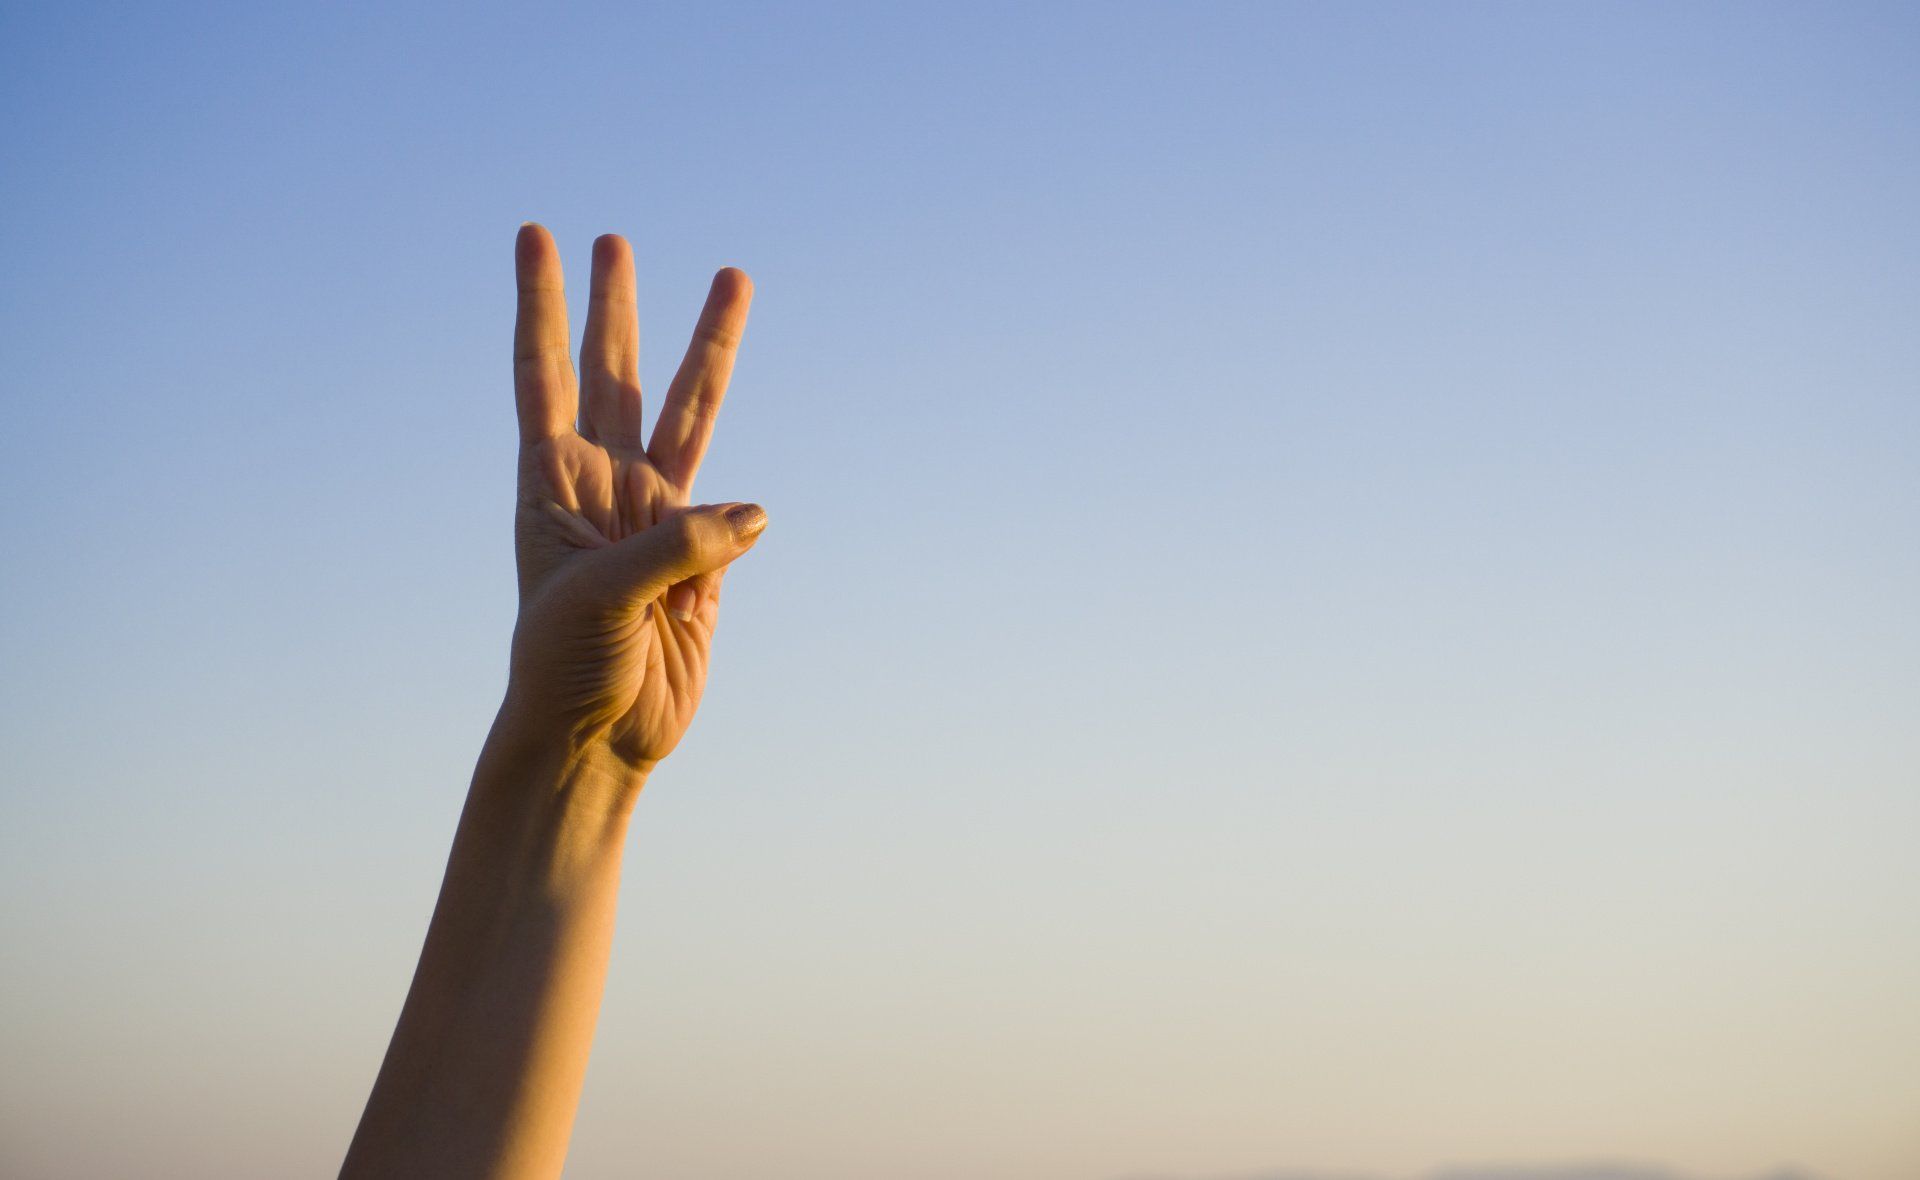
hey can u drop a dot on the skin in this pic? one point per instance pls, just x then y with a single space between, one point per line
619 595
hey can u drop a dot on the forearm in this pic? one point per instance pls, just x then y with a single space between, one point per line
484 1071
619 575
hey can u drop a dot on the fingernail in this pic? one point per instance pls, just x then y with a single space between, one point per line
747 520
681 601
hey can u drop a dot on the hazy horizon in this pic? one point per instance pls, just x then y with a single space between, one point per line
1575 1171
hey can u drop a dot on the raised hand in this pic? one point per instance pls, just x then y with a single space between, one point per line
619 593
619 577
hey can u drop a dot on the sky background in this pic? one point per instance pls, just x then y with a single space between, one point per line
1342 587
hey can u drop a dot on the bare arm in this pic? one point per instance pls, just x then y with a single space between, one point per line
619 595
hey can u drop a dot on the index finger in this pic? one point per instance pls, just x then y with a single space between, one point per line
544 389
693 400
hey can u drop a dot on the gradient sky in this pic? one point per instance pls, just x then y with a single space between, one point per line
1342 589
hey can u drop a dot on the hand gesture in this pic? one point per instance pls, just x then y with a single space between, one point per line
619 576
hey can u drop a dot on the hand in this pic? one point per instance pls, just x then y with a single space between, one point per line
619 578
619 593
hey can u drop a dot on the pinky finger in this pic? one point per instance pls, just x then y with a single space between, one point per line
705 595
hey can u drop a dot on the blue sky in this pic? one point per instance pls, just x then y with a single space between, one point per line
1340 590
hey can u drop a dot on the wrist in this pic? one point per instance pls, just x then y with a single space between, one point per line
530 758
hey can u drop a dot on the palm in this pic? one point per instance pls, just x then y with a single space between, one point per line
632 672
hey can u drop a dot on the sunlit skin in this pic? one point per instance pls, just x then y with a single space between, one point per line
619 597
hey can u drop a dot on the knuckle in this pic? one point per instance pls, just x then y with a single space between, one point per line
690 535
724 337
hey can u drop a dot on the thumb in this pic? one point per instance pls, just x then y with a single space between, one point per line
695 541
